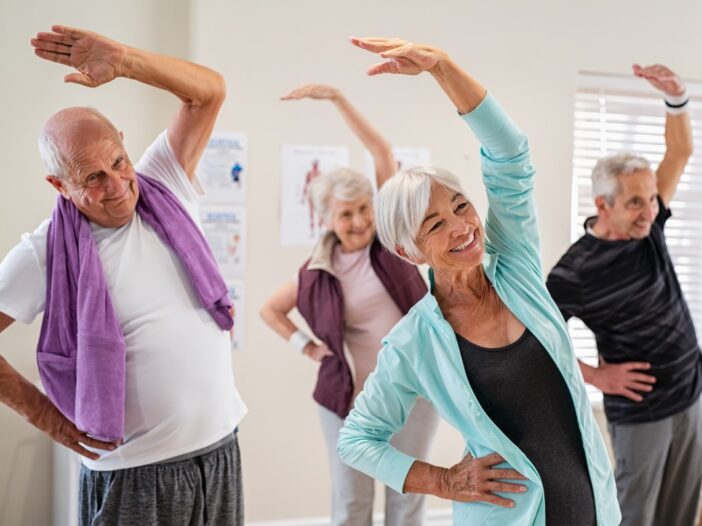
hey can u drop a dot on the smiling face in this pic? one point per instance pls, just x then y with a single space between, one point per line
101 181
634 209
451 237
352 222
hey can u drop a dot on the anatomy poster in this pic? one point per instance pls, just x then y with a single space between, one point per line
223 169
300 166
406 157
224 227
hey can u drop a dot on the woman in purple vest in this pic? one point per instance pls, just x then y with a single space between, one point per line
351 292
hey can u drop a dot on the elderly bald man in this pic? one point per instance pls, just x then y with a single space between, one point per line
134 351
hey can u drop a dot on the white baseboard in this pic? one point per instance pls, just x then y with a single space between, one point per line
433 518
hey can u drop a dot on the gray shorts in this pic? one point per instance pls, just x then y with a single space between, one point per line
204 489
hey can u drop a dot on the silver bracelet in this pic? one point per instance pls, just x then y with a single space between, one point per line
299 341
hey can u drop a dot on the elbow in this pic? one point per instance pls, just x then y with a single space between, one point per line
218 89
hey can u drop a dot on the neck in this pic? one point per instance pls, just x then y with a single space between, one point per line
467 286
602 230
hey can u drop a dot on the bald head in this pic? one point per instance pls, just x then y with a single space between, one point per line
67 132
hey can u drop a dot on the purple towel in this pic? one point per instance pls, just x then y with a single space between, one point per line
81 351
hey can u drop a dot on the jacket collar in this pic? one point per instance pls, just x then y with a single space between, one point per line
323 252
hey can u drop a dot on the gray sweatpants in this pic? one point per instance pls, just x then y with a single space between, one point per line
352 491
659 469
196 491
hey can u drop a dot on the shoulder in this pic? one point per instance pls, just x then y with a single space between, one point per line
160 163
575 257
407 335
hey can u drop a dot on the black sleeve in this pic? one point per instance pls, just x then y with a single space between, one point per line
664 213
563 283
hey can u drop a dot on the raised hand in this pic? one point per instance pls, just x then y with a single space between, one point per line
624 379
661 78
475 479
405 58
97 58
313 91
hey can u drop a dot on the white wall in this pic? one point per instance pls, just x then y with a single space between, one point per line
31 91
527 53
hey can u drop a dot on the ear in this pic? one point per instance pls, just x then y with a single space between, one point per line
601 205
57 183
401 252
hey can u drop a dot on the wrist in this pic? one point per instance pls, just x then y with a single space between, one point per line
299 341
442 67
676 104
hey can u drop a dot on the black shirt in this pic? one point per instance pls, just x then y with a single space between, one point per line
522 391
628 295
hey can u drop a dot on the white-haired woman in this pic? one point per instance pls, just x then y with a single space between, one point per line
351 292
486 345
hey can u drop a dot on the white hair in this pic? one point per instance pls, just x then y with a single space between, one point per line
402 204
54 159
342 184
607 170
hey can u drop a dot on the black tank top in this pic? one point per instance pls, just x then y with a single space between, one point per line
522 391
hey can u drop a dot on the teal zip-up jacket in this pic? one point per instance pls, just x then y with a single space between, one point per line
420 355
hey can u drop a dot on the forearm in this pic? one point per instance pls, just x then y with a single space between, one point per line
426 479
279 322
379 148
678 137
17 392
465 92
194 84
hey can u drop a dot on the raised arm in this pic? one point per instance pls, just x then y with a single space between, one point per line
20 395
99 60
379 148
678 130
511 225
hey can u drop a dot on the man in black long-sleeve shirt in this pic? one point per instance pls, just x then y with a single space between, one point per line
619 279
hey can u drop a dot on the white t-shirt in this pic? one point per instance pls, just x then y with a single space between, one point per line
180 392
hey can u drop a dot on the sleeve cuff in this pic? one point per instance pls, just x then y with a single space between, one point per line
396 464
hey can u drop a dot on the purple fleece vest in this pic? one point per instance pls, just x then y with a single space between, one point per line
321 303
81 351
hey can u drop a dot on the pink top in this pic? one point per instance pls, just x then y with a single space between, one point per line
369 311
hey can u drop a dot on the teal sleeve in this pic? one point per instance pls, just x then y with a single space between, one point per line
380 411
511 225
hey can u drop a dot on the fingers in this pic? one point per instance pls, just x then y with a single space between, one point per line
631 395
53 57
79 78
497 473
491 460
82 451
49 45
384 67
95 443
505 487
637 366
645 378
69 32
376 44
497 500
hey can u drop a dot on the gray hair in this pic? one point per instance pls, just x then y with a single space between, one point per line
342 184
54 159
607 170
402 204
